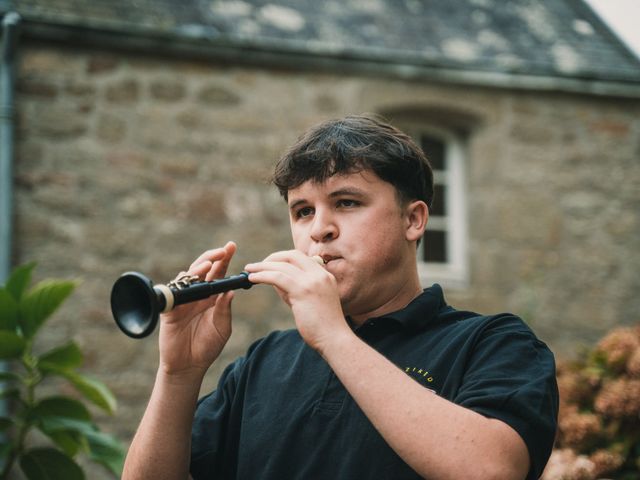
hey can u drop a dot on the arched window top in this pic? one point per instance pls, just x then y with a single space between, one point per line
454 120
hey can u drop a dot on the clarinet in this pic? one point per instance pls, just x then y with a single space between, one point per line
136 303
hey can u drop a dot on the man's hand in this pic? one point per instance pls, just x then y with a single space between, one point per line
309 290
193 335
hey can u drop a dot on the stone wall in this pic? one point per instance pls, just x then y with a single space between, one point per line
128 162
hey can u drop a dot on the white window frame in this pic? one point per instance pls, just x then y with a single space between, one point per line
454 273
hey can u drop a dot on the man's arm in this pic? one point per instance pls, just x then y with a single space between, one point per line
437 438
191 337
161 447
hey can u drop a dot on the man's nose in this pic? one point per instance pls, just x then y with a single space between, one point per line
324 227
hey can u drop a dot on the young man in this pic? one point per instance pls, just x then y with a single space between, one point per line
379 379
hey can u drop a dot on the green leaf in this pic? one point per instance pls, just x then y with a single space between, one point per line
9 377
67 357
40 302
49 464
69 442
9 393
67 433
19 280
92 389
9 310
75 435
5 449
11 345
68 423
64 420
60 406
5 423
95 391
58 424
107 451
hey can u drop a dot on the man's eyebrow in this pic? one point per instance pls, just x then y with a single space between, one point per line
296 203
348 191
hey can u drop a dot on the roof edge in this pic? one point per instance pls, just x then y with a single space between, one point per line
212 45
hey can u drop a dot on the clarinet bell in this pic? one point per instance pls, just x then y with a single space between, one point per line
135 305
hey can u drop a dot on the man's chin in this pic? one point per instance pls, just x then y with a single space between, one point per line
347 301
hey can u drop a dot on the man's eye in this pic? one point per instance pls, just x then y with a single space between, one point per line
304 212
345 202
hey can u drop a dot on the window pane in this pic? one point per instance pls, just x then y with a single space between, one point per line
439 206
434 150
434 246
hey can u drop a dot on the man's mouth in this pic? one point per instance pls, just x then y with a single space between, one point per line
328 258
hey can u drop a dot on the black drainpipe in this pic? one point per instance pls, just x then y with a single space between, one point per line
10 30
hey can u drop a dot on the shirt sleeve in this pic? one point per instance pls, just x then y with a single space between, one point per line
511 377
212 434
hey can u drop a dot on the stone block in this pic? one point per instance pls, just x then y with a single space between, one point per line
110 128
179 166
192 119
100 63
34 226
204 204
79 89
327 103
127 159
245 122
49 63
29 154
123 91
529 132
217 95
36 87
617 128
167 90
61 122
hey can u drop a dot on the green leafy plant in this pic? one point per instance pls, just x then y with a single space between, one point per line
64 420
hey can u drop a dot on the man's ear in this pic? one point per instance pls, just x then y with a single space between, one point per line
417 216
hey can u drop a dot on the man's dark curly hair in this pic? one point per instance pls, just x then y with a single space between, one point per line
353 144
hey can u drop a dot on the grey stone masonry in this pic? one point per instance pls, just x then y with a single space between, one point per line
133 163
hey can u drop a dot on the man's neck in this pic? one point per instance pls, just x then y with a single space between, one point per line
405 295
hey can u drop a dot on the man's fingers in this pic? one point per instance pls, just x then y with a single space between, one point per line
277 278
216 254
222 314
209 256
219 268
213 263
293 257
269 265
200 270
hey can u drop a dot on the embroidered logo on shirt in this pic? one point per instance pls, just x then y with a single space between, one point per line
424 377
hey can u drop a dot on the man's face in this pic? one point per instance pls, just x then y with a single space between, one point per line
356 224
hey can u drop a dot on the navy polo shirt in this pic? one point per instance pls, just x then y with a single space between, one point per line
281 413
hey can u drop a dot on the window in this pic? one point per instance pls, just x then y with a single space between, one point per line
442 255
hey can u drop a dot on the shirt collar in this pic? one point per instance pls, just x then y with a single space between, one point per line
421 311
